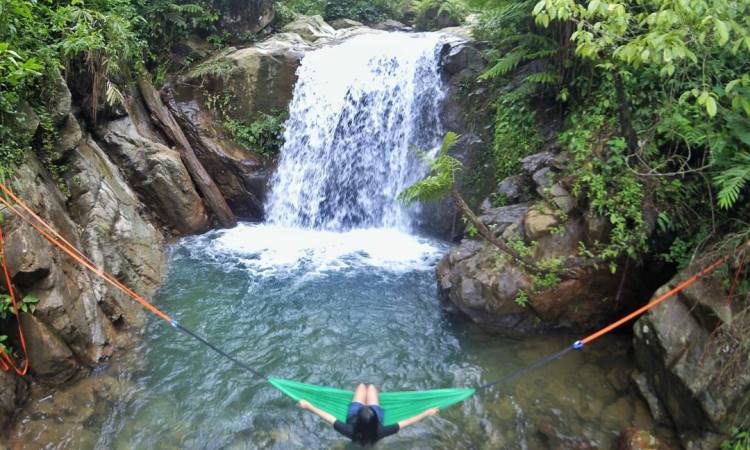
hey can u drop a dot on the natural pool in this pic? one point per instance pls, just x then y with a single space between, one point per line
332 309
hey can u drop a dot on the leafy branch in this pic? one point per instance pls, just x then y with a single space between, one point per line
441 181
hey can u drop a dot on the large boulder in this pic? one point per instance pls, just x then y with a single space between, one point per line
694 350
495 291
249 80
391 25
58 101
436 17
310 28
340 24
458 57
157 174
246 16
50 359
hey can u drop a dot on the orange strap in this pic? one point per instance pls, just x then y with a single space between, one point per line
740 266
5 359
653 303
59 241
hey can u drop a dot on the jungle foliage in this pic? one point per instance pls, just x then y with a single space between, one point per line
655 97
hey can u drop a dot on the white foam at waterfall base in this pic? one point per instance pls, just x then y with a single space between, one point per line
271 250
359 110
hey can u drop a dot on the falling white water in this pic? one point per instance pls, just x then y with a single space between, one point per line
360 111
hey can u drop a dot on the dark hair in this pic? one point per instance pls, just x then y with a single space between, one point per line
366 426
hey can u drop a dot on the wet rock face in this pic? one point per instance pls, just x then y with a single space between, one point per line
157 174
80 321
240 174
461 57
460 61
258 79
698 371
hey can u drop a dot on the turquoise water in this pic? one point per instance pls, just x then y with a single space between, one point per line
333 309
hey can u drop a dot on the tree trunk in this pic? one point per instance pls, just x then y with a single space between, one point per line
208 189
626 120
489 236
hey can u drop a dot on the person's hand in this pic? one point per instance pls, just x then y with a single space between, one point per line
431 412
304 404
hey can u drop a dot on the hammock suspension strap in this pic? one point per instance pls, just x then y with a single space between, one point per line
398 405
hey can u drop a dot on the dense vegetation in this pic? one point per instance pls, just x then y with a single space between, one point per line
655 102
652 100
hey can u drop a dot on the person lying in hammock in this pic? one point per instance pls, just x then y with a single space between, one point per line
364 419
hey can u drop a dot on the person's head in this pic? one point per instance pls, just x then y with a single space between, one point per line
366 426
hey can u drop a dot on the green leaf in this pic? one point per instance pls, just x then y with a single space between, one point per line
711 106
538 8
722 31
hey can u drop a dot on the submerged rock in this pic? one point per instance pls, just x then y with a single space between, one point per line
635 439
13 392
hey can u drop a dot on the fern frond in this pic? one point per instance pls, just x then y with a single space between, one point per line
441 179
187 8
548 78
732 180
505 64
219 68
449 141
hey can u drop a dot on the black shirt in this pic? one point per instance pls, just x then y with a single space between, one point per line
347 429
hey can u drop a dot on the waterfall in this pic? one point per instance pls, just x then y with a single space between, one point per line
359 112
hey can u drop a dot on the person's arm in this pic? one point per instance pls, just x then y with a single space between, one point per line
412 420
304 404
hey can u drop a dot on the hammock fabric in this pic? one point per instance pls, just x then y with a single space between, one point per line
397 405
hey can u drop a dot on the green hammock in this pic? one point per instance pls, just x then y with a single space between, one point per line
397 405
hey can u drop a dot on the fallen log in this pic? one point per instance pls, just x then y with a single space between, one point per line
166 121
